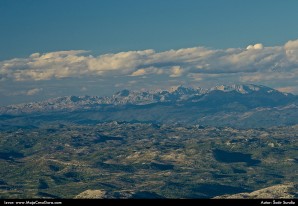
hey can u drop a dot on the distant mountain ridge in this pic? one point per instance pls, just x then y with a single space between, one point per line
175 94
243 105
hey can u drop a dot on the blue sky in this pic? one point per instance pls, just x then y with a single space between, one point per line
101 27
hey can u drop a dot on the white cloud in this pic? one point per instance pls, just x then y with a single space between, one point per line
139 72
291 48
176 71
256 46
291 44
148 70
286 89
61 64
33 91
30 92
255 64
35 55
123 62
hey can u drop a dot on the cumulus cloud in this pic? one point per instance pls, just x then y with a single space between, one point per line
291 48
30 92
148 70
175 63
33 91
139 72
256 46
291 45
176 71
254 63
46 66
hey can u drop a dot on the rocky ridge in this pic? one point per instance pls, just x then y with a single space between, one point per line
174 95
281 191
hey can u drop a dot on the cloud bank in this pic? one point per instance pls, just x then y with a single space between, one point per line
255 63
30 92
255 58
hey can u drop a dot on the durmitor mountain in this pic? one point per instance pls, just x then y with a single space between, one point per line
240 106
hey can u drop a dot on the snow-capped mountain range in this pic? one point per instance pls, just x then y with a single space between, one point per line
178 94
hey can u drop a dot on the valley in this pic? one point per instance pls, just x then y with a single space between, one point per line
179 143
128 160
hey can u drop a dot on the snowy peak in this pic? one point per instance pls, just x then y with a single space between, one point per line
183 90
177 93
244 88
123 93
249 95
